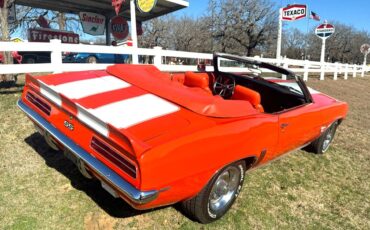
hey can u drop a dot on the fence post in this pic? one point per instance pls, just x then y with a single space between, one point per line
354 71
346 72
336 71
363 70
306 67
322 74
56 55
158 57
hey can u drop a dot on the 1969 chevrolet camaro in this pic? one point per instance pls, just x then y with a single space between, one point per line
155 138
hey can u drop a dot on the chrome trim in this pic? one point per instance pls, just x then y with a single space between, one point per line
131 193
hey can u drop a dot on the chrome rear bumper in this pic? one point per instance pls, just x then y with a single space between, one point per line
131 193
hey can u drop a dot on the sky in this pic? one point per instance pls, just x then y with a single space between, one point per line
354 12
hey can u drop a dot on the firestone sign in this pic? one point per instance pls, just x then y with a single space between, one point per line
45 35
294 12
92 23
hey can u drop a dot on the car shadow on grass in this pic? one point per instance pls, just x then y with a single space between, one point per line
55 159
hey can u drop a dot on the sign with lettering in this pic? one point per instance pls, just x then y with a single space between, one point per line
45 35
324 30
119 27
145 6
92 23
294 12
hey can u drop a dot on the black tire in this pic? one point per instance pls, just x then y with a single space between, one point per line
322 144
200 208
92 60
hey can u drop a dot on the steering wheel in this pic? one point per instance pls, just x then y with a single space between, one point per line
224 86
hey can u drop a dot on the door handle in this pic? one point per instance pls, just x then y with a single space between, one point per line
284 125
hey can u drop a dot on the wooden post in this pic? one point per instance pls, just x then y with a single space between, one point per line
354 71
306 67
346 72
158 57
336 71
56 55
322 74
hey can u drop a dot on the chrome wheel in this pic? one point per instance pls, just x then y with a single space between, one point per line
224 189
328 138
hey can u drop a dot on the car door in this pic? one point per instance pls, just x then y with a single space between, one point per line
297 127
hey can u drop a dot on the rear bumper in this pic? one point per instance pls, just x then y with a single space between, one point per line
130 193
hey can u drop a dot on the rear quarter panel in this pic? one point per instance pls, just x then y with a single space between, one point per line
185 165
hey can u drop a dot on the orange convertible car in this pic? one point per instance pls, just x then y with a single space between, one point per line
156 139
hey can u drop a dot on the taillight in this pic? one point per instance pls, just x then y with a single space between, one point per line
113 156
44 107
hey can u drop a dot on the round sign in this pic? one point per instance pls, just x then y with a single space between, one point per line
365 49
145 6
119 27
324 30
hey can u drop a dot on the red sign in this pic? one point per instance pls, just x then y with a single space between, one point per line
43 22
117 5
1 3
45 35
325 30
119 27
294 12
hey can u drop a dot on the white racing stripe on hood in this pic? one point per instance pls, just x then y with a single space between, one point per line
89 87
126 113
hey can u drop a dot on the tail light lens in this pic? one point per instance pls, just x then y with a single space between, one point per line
113 156
43 106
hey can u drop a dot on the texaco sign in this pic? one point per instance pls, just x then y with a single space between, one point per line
294 12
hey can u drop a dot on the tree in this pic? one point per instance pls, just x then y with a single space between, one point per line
7 57
242 26
294 43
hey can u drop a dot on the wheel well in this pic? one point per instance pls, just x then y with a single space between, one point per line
340 120
249 162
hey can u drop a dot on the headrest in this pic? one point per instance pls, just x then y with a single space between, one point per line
196 80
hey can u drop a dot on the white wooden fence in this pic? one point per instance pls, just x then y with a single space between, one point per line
304 67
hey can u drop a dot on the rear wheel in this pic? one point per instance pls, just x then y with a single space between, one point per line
218 196
322 144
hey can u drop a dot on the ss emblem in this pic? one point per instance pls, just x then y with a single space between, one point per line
69 126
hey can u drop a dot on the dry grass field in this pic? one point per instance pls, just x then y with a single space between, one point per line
40 189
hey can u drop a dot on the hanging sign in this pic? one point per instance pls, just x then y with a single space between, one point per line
43 22
119 27
325 30
45 35
93 24
117 4
145 6
294 12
